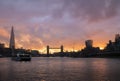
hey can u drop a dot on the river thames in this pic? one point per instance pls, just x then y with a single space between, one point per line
60 69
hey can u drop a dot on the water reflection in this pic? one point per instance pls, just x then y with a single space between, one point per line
60 69
99 70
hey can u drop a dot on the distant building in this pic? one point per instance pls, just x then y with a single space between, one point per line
12 42
35 53
114 46
89 43
12 39
89 50
117 38
2 45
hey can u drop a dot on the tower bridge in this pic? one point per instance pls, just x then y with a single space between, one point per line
48 49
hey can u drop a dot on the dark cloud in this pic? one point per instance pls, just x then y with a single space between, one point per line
93 10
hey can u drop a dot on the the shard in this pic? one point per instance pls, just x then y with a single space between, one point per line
12 39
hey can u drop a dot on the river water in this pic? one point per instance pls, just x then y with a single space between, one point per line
60 69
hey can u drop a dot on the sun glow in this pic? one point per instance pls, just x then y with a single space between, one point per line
101 48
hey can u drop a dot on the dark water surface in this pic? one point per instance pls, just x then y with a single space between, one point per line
60 69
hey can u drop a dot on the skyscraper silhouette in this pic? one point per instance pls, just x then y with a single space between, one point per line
12 39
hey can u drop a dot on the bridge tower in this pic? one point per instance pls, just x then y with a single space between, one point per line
48 50
62 48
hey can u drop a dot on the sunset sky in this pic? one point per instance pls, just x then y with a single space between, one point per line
38 23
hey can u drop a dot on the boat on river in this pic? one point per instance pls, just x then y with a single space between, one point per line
22 57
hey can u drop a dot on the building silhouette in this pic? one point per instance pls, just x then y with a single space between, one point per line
114 46
89 50
89 43
12 39
2 45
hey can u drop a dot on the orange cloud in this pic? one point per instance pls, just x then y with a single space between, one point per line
4 33
29 41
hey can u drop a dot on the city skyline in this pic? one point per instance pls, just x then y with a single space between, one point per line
59 22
